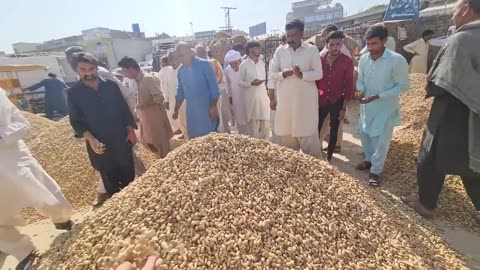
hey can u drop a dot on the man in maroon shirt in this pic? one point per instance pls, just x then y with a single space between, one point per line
336 87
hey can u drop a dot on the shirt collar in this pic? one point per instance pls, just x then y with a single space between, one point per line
302 45
386 54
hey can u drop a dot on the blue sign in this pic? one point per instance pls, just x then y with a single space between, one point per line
399 10
258 30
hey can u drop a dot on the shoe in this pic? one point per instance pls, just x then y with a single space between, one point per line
329 160
414 203
27 263
181 137
366 165
374 180
178 132
66 226
101 199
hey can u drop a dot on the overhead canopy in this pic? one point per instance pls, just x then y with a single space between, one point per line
20 68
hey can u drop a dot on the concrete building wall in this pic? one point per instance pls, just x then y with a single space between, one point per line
135 48
24 47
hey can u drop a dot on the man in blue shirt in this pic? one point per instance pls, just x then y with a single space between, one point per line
197 84
382 77
55 95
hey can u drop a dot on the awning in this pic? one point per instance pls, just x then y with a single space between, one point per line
20 68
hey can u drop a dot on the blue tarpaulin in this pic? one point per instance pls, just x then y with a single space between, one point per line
402 10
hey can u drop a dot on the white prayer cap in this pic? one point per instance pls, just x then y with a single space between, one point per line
231 56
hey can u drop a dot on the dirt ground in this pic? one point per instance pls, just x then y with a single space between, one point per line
467 243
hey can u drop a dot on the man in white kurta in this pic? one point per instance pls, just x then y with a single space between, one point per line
172 86
23 183
296 67
232 73
419 49
252 80
167 76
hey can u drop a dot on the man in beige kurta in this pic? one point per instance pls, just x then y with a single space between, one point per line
155 129
419 49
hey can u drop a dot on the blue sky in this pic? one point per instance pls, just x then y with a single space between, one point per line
37 21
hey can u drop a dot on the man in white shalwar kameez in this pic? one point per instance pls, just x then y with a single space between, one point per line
252 80
232 73
172 85
166 74
23 183
296 67
419 49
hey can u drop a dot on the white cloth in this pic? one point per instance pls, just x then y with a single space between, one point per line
297 107
238 96
231 56
274 85
12 242
256 97
128 93
23 182
309 145
343 50
169 84
259 129
418 64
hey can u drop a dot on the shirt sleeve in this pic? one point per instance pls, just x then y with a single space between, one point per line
76 116
180 91
401 78
212 83
243 73
153 87
228 83
36 86
276 70
349 84
16 130
164 85
345 51
317 72
126 114
360 79
410 48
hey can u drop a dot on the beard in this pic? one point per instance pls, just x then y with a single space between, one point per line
91 77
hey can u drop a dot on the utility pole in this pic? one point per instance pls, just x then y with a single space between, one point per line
228 25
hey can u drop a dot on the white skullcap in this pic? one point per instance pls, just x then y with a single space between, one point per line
231 56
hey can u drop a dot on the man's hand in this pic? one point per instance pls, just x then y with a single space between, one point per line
97 147
257 82
368 100
273 105
213 112
167 106
175 116
297 72
287 73
359 95
131 137
341 116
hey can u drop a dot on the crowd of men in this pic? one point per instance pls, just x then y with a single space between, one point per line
304 88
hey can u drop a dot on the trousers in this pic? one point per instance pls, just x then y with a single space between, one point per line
332 109
309 145
259 129
376 148
115 179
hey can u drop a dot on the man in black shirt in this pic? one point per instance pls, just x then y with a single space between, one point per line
98 112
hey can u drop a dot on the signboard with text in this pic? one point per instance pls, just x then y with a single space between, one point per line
258 30
399 10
